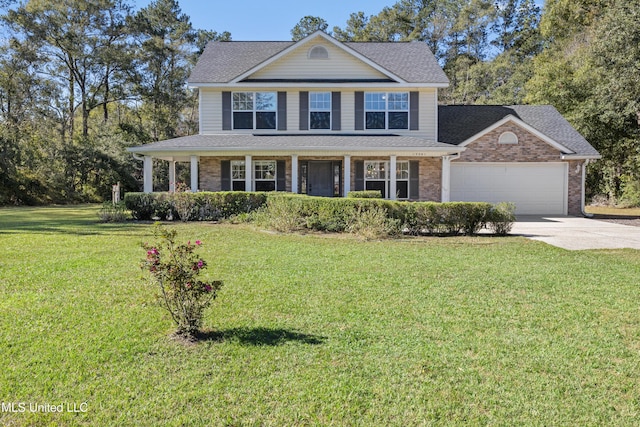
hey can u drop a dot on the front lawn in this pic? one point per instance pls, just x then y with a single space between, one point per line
315 330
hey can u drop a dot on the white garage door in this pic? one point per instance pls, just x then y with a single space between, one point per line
535 188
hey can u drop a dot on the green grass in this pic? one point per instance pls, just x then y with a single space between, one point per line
316 330
610 210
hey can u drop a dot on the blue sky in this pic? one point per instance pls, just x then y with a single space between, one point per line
272 19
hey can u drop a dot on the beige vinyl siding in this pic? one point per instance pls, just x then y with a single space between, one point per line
297 65
293 107
428 114
348 110
210 111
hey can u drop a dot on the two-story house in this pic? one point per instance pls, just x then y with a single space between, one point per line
323 118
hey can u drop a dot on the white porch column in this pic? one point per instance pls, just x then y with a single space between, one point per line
393 184
346 181
172 176
194 174
148 174
294 173
446 179
248 174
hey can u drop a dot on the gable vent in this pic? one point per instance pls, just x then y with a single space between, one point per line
318 52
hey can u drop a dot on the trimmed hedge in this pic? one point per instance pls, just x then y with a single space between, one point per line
203 206
289 212
365 194
294 212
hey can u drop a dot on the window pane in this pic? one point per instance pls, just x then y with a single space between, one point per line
402 189
320 101
375 120
377 185
399 101
375 170
265 186
398 120
265 101
265 170
237 170
243 120
243 101
375 101
320 120
402 170
265 120
238 186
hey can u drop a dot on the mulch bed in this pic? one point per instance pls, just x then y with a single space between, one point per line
624 220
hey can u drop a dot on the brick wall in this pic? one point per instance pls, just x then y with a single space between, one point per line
529 148
575 187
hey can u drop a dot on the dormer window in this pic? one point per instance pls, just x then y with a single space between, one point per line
508 138
318 52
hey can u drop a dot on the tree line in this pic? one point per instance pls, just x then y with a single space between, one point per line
82 80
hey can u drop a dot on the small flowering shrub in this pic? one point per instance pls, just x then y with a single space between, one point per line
175 268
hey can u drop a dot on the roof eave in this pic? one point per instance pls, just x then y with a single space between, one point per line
430 85
581 157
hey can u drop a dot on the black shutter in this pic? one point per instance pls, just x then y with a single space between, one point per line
414 180
359 168
281 175
304 110
359 119
282 110
226 110
225 172
414 111
336 108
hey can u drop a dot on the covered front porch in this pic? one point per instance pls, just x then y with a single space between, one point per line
401 168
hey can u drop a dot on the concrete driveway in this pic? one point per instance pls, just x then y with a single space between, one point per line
575 233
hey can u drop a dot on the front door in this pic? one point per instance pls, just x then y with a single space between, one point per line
321 180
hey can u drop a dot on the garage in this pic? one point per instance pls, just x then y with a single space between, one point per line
535 188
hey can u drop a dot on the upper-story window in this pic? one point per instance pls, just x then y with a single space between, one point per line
320 110
254 110
386 110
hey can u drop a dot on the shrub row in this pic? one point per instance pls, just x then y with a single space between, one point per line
365 194
377 217
369 217
203 206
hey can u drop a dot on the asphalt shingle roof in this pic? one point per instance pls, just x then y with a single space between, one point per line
457 123
221 62
341 142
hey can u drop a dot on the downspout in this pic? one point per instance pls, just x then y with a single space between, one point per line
583 196
138 157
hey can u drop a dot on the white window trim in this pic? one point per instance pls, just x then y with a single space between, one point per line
317 110
264 162
254 110
387 110
387 178
244 178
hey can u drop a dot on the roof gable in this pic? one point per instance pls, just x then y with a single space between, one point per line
296 63
462 124
402 62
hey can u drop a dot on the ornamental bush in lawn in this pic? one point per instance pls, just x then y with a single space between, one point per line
175 268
